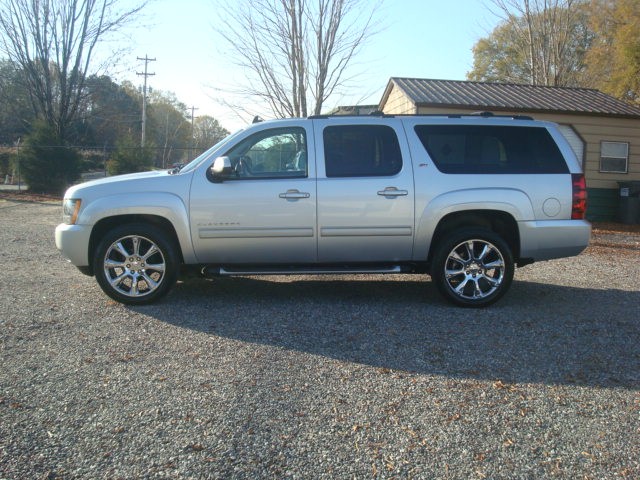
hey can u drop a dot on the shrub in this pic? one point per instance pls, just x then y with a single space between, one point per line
46 164
91 160
129 158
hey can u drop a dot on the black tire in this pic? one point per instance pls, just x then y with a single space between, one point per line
148 270
472 267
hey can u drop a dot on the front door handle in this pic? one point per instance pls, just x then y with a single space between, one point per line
294 194
393 192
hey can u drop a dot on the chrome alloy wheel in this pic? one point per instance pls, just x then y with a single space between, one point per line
474 269
134 266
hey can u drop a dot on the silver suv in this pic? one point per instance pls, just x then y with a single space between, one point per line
462 198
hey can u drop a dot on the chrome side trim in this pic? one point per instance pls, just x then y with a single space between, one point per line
366 231
254 232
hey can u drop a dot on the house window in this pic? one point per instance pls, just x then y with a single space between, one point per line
614 157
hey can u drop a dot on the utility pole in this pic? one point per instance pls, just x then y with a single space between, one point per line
192 147
146 60
19 179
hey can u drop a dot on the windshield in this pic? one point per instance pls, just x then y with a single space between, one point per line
196 161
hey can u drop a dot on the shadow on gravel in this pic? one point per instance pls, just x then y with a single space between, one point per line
538 333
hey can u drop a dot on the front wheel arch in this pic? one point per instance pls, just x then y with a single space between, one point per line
107 224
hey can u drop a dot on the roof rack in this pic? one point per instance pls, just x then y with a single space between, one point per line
375 113
378 113
491 114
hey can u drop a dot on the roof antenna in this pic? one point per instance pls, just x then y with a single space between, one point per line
257 119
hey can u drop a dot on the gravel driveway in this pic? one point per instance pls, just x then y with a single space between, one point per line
315 377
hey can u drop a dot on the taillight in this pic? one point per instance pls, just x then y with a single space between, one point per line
578 197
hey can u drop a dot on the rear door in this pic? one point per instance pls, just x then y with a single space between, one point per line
365 191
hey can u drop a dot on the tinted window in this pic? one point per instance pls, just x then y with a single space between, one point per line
275 153
361 151
491 149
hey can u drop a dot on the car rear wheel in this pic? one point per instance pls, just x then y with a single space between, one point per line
136 264
473 267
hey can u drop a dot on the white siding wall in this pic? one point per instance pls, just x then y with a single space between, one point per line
398 103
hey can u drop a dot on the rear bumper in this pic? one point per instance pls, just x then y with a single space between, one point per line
73 242
545 240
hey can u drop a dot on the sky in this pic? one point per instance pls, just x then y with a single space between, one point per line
418 38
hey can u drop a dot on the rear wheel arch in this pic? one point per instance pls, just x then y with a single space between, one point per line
499 222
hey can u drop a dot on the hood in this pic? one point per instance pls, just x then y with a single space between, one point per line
127 182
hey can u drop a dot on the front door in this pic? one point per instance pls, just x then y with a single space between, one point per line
264 213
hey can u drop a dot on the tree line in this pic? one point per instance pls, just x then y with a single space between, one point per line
105 133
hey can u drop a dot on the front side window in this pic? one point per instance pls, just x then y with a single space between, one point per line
614 157
491 149
361 151
275 153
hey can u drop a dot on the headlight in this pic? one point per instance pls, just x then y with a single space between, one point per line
70 209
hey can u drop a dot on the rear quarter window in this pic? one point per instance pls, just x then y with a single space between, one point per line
491 149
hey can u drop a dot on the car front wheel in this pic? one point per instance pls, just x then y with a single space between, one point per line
473 267
136 264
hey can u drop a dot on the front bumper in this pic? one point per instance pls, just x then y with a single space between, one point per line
73 242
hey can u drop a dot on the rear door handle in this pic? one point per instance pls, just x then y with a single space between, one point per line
294 194
393 192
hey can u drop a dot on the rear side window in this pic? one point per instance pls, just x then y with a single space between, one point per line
491 149
361 151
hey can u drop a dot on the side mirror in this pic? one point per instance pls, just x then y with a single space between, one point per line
220 169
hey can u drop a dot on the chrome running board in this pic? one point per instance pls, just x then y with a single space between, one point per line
303 270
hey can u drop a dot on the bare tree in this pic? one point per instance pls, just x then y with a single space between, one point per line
553 36
296 52
53 43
